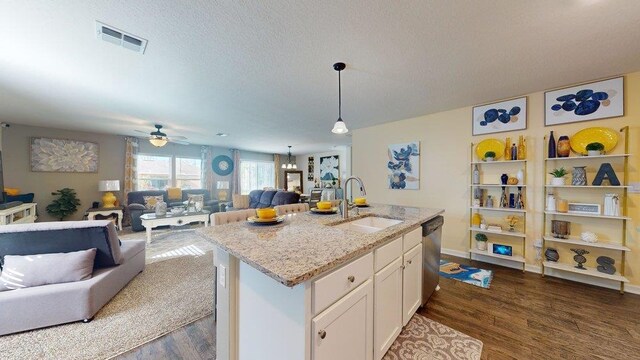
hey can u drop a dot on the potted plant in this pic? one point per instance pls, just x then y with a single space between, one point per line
558 176
489 156
481 241
65 205
595 149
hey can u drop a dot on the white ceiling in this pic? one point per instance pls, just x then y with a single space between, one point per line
262 71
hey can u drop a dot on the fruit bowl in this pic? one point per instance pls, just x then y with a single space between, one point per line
267 213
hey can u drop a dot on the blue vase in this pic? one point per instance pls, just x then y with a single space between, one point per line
504 178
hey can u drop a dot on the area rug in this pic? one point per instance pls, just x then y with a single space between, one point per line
166 296
466 274
425 339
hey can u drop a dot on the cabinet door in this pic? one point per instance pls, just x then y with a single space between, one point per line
411 283
387 313
345 329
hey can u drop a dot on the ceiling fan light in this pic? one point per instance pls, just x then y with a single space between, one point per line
158 141
340 127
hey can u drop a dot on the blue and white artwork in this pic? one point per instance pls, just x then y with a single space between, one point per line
330 169
509 115
404 166
599 100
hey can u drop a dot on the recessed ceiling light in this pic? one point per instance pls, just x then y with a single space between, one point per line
222 134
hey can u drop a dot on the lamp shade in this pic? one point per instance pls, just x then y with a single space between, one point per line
222 185
158 141
339 127
109 185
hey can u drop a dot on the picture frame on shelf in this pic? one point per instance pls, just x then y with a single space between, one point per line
584 208
500 249
502 116
591 101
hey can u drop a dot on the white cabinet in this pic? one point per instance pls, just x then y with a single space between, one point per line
345 329
387 307
411 283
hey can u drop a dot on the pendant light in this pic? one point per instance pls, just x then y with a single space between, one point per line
289 164
340 127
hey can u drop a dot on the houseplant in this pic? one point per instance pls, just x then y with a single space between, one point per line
558 176
594 149
481 241
65 205
489 156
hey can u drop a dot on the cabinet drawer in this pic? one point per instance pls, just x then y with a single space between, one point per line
384 255
412 238
335 285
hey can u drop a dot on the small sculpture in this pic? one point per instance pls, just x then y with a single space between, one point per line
606 173
589 237
161 208
579 176
551 254
605 265
579 258
512 181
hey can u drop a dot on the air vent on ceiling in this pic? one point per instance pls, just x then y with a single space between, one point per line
120 38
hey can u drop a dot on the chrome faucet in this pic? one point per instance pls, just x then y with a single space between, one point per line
344 207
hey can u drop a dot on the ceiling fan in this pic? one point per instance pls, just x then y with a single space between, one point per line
159 139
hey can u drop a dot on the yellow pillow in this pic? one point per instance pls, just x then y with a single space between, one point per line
174 193
240 201
151 201
12 191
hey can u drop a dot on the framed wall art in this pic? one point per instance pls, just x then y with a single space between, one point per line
404 166
596 100
330 169
62 155
508 115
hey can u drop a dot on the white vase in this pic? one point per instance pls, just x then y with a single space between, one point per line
520 176
481 245
593 153
557 181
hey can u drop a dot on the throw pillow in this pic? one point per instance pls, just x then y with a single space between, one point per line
22 271
240 201
174 194
151 201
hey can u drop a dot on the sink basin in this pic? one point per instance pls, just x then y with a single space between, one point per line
368 225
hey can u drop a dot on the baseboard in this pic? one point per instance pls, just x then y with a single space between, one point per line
632 289
457 253
533 268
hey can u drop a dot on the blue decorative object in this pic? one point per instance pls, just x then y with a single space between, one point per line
404 166
606 172
505 250
222 165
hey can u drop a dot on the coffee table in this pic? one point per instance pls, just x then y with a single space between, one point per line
151 221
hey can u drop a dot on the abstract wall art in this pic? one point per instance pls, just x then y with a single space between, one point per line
330 169
60 155
404 166
598 100
508 115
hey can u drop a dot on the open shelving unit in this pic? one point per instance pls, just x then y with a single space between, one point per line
622 188
519 236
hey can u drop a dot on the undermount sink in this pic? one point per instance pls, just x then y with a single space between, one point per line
368 225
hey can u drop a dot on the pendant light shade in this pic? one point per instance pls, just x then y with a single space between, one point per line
339 127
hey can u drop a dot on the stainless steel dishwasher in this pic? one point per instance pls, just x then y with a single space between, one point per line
431 246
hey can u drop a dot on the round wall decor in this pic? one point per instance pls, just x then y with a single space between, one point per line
222 165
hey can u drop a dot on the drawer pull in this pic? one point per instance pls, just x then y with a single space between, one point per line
409 262
351 278
322 334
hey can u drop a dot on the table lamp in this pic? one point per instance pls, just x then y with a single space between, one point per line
108 199
223 190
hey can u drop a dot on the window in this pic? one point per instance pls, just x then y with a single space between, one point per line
256 175
161 172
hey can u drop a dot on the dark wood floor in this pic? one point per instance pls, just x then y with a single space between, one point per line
522 316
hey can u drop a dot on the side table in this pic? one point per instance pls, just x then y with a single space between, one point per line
117 211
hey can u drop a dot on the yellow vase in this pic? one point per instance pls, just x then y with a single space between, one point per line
507 148
522 148
476 219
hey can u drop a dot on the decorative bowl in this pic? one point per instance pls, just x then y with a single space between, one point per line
360 201
177 211
495 145
268 213
323 205
606 136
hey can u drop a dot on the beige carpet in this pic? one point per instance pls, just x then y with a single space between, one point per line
167 295
425 339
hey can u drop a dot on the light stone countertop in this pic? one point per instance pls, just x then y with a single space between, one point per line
306 244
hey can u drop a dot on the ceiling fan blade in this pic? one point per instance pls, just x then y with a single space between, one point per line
179 137
179 142
142 132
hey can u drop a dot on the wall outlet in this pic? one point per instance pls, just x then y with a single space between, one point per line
222 276
634 187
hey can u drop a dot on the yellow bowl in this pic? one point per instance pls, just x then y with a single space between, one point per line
324 205
360 201
268 213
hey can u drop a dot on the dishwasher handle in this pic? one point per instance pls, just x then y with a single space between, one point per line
432 225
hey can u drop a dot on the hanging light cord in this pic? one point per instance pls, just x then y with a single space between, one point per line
339 96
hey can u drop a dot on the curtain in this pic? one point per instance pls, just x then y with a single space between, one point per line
235 176
276 165
130 173
206 155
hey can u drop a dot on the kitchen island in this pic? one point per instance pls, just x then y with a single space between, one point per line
305 289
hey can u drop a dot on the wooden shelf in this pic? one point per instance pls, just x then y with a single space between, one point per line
499 209
496 185
502 232
589 271
515 258
576 241
587 157
588 215
498 162
588 186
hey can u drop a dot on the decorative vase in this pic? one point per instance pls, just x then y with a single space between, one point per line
551 254
557 181
519 199
489 203
564 148
161 208
563 205
522 148
512 201
507 148
520 176
579 176
504 178
593 153
476 219
481 245
552 146
514 152
560 229
476 175
579 258
551 202
504 202
611 205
